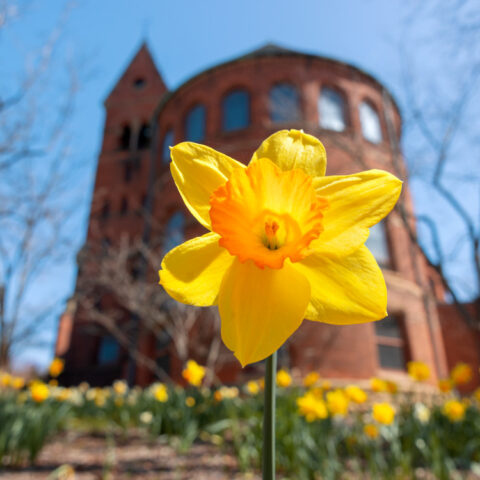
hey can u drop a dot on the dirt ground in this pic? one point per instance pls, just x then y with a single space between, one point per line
93 458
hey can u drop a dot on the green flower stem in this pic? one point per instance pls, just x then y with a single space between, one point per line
269 418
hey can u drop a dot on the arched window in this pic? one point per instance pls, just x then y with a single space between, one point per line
124 141
377 243
144 136
371 129
195 124
284 103
331 110
167 143
108 351
391 344
174 231
236 111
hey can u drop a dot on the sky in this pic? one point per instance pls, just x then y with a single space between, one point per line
100 37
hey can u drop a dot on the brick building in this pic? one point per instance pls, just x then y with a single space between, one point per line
232 107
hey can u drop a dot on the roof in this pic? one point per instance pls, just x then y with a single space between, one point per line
271 50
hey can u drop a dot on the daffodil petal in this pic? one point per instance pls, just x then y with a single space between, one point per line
356 202
198 171
192 272
345 290
260 309
291 149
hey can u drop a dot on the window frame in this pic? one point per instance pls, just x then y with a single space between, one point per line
168 131
271 104
189 111
400 342
373 107
223 105
345 108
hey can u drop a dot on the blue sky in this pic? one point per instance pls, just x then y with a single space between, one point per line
100 37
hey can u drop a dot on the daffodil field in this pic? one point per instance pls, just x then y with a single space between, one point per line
322 431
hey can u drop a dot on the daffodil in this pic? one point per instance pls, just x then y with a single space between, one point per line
383 413
356 394
461 373
337 402
39 391
370 430
193 373
454 410
419 371
311 379
312 407
284 379
286 242
56 367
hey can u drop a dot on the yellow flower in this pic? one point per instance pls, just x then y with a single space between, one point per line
56 367
445 385
283 378
312 407
383 413
391 386
53 382
253 387
476 394
378 385
337 403
160 392
194 373
419 371
311 379
285 241
120 387
356 394
326 385
454 410
370 430
17 383
190 402
39 391
225 392
461 373
5 379
422 413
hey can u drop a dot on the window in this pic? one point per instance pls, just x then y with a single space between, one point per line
174 231
331 110
124 142
377 243
167 143
284 103
370 122
236 111
108 350
124 206
139 83
195 124
105 213
144 137
390 343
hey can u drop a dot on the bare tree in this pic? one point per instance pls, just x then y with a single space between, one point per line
37 176
441 79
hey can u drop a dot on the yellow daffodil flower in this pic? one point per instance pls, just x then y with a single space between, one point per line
253 387
445 385
39 391
391 386
190 402
370 430
378 385
311 379
454 410
285 242
337 402
17 383
356 394
383 413
160 392
5 379
419 371
461 373
194 373
56 367
284 379
312 407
